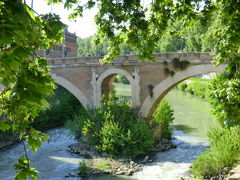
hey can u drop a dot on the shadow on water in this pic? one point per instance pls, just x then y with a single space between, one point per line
185 128
109 177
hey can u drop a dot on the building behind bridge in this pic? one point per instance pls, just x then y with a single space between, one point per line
68 48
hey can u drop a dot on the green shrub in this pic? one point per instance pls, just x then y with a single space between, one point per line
141 140
225 98
199 89
112 138
77 123
63 106
224 152
129 142
116 129
163 118
182 86
83 168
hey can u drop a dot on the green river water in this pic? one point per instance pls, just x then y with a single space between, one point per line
192 114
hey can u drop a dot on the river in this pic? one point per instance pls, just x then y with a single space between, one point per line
192 120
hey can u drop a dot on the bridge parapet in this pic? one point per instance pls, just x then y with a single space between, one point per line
193 57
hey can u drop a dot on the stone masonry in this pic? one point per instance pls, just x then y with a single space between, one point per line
87 79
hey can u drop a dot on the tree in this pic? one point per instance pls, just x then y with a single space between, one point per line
87 47
24 74
129 22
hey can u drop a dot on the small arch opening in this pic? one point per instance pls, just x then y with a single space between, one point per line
119 86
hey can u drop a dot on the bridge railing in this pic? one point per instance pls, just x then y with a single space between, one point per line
189 56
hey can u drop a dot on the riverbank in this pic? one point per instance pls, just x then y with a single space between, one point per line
7 140
54 161
97 163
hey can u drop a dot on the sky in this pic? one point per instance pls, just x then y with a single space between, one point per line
82 26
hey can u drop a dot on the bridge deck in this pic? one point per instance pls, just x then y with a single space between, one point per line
195 57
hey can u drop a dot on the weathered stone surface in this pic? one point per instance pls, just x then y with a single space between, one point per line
7 140
165 145
235 176
235 170
116 166
87 79
83 149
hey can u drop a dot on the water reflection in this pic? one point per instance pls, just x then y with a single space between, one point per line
192 114
66 159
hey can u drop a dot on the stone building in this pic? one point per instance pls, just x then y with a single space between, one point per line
68 48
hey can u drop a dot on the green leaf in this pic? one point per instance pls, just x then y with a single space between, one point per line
5 126
30 12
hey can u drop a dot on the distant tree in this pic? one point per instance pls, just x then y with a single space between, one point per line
88 47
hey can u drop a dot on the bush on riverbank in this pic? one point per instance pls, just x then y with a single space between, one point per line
63 106
116 129
163 118
224 152
225 99
197 88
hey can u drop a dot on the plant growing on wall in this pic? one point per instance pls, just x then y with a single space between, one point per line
182 65
166 71
150 88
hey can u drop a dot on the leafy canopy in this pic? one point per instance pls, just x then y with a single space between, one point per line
141 26
24 74
131 23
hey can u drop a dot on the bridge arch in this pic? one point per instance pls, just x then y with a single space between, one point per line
105 79
150 104
73 89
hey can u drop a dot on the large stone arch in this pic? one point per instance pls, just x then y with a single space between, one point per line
150 104
70 87
114 71
73 89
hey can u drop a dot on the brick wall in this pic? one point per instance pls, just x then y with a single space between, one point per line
68 48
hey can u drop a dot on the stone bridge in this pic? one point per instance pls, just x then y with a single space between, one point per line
150 81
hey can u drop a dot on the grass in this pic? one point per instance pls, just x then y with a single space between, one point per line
194 79
103 165
125 89
122 89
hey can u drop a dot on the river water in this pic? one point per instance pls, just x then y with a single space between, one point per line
192 120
